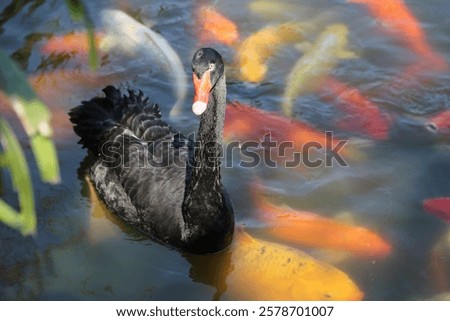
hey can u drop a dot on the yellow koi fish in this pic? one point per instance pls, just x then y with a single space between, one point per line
253 269
274 9
316 64
257 48
261 270
100 227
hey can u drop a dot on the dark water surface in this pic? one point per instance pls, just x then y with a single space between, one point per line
83 252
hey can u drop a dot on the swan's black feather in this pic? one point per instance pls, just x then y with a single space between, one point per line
138 163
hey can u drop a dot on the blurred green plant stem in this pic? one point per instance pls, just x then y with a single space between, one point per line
35 119
78 12
13 158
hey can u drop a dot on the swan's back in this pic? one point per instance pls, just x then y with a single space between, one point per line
140 167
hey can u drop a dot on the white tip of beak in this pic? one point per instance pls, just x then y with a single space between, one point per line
199 107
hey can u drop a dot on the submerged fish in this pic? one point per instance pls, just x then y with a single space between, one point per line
125 35
257 48
358 113
261 270
310 229
274 9
64 87
316 64
312 19
215 27
440 123
245 123
76 42
439 207
399 21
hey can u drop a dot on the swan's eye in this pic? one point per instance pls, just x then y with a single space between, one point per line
212 66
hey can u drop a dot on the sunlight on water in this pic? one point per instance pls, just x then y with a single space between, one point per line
82 251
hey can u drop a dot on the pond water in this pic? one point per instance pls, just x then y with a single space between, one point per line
82 252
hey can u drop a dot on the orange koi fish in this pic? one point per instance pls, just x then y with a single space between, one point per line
215 27
359 114
246 123
439 207
310 229
401 22
440 123
260 46
60 87
76 42
261 270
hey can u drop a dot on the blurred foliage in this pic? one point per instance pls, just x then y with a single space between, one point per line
12 157
33 114
78 12
35 119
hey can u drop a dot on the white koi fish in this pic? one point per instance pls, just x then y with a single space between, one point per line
129 37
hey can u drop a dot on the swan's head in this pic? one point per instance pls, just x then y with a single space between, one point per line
207 69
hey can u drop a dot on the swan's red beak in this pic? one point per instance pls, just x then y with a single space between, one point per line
202 87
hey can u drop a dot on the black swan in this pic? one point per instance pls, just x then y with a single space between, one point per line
155 178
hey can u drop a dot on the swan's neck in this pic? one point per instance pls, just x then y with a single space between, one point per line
210 131
203 185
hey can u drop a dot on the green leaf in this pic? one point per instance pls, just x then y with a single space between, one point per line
33 114
76 10
93 56
13 158
14 83
10 217
45 153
